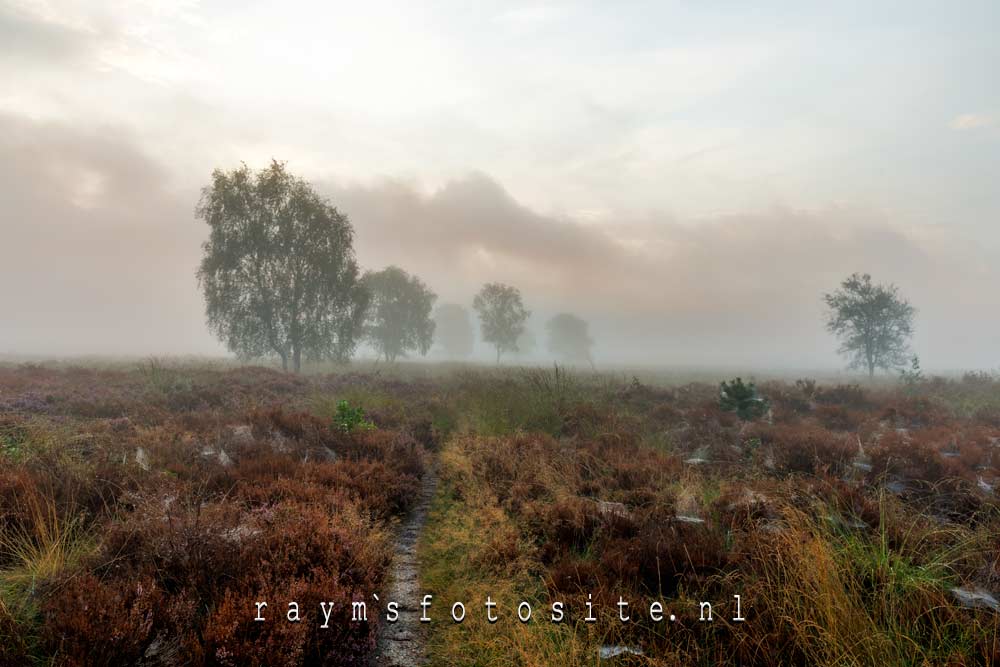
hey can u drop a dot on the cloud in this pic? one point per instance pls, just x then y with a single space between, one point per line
532 15
974 121
98 253
58 44
28 38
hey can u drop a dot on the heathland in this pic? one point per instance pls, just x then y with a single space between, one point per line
145 510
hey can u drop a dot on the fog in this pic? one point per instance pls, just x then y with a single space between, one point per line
683 235
738 289
100 251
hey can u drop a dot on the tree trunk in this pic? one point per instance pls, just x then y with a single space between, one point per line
297 358
498 355
284 362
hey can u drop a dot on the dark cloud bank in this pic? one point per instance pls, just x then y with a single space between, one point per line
99 246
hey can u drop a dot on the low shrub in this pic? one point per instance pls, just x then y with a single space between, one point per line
839 418
806 449
847 395
743 399
350 418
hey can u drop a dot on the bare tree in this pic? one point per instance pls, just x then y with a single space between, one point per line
873 322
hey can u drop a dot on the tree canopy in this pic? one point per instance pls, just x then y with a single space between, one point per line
453 330
399 317
501 316
569 338
278 271
873 322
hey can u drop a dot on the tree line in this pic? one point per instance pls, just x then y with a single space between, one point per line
280 279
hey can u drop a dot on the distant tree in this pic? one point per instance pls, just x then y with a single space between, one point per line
501 316
399 317
569 339
453 330
278 271
873 322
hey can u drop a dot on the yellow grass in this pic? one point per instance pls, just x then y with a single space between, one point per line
39 550
473 550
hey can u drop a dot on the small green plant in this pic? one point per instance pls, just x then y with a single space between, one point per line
350 418
743 399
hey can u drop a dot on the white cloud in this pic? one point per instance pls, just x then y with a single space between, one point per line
974 121
532 15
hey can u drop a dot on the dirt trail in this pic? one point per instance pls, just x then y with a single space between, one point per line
401 644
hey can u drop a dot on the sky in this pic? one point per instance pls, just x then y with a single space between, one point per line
690 177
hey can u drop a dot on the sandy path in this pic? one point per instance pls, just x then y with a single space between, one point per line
401 644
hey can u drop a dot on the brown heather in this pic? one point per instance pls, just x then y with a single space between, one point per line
144 511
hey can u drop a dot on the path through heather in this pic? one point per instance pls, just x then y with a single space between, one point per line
401 644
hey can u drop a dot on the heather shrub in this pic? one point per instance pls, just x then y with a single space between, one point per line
572 573
189 581
260 497
397 450
915 412
839 418
667 415
379 489
302 541
662 557
583 419
425 433
741 506
301 427
183 543
806 449
206 491
847 395
257 465
988 415
898 455
568 524
114 622
232 638
16 644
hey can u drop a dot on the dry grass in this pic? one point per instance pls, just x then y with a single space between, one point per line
833 568
43 548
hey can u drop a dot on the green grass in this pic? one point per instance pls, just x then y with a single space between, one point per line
855 598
